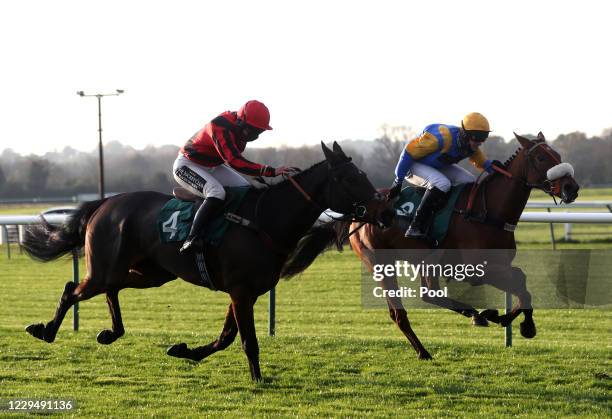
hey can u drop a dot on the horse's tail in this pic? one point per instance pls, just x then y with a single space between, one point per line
316 241
46 242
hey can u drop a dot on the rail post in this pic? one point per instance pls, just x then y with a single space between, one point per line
272 313
508 334
5 237
75 279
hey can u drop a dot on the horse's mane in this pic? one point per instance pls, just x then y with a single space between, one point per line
518 151
513 156
510 159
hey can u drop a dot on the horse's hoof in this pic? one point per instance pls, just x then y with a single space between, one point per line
505 320
106 337
490 315
37 330
528 330
179 350
425 355
479 321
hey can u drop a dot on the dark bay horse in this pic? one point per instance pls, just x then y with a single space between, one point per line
123 248
495 204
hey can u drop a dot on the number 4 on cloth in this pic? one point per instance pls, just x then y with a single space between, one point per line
170 225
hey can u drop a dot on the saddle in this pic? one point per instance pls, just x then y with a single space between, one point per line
409 200
175 218
184 195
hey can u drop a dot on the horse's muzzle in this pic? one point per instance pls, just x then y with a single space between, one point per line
569 192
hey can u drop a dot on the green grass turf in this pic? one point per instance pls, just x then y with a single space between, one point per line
330 357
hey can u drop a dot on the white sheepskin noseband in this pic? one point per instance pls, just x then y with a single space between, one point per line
560 170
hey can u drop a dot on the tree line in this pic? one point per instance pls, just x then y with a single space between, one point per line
70 172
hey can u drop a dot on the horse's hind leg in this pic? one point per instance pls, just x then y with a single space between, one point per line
106 337
400 317
228 334
72 294
466 310
144 275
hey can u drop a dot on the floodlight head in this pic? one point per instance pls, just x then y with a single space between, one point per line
120 91
81 93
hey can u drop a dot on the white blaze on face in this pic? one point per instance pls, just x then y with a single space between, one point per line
560 170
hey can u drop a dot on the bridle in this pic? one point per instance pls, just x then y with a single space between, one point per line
551 187
359 212
359 207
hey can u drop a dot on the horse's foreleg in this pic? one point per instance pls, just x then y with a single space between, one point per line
242 304
527 327
466 310
71 295
517 285
106 337
228 334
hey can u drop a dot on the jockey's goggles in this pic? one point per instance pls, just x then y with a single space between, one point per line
477 136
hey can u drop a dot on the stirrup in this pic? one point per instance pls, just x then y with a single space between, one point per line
414 233
194 243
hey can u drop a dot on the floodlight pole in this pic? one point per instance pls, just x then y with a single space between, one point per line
99 96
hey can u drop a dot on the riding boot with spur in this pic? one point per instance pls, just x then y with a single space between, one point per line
433 201
203 215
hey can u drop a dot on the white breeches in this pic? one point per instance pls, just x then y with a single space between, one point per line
205 181
443 178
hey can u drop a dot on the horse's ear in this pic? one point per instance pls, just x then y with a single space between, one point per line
327 152
541 136
337 148
525 142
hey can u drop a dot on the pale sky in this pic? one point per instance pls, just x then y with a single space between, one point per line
328 70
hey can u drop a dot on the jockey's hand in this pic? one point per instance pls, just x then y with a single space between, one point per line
498 164
394 191
286 171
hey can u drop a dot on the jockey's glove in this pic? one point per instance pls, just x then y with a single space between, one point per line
286 171
395 189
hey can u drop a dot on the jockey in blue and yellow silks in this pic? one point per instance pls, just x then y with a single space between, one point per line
430 161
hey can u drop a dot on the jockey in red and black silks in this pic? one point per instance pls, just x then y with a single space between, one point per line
430 161
212 159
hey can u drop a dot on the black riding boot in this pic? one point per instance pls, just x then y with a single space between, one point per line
433 201
203 215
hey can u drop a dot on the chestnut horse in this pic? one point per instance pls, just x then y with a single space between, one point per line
484 218
123 248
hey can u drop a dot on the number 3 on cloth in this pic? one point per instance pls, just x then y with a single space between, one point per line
169 226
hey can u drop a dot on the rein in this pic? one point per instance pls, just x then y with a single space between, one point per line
300 189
